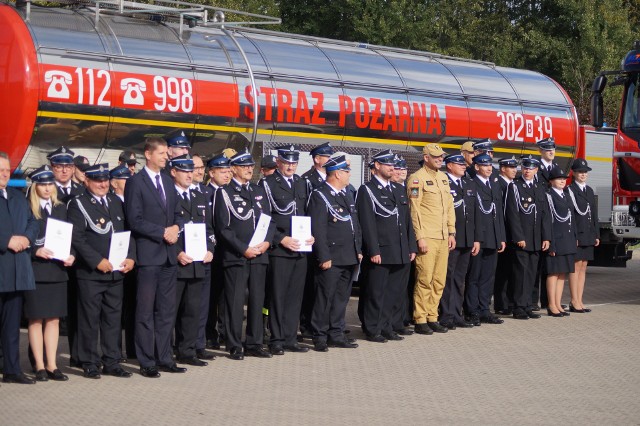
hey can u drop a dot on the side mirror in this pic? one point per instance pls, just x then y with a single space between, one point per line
597 113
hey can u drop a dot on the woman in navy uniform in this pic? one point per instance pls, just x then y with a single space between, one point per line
586 222
44 306
562 249
238 208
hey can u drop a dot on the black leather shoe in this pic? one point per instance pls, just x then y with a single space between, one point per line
173 368
212 344
41 376
295 348
192 361
437 327
536 308
521 315
345 344
404 331
276 350
504 312
554 314
151 372
204 355
423 329
474 320
376 338
18 378
449 325
463 324
586 310
578 311
533 315
563 306
392 335
491 319
236 354
57 375
320 347
565 313
117 371
258 353
92 373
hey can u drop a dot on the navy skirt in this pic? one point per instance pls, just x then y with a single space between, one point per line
584 253
48 300
560 264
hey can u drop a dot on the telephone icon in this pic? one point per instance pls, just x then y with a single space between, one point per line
133 91
59 81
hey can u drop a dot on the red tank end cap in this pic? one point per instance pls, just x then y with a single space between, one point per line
18 84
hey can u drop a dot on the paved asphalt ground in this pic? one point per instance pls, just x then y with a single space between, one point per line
582 369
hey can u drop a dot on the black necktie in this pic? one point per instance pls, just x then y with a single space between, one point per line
46 211
488 186
459 183
160 190
104 204
65 191
185 196
290 182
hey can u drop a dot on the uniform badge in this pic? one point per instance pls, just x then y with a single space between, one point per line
258 203
416 181
340 210
445 181
335 220
379 186
429 183
453 193
102 220
495 179
529 199
470 192
93 200
238 188
118 217
258 197
525 205
333 193
414 193
319 179
240 209
244 203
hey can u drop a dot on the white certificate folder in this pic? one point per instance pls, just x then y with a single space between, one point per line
260 233
301 231
57 238
195 241
119 248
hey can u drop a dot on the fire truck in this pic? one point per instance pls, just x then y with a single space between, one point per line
99 76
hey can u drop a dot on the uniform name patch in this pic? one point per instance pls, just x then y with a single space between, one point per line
429 182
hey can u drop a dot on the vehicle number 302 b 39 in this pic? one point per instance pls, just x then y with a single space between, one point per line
516 127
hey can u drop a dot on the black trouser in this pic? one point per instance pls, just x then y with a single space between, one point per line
129 313
399 310
479 290
453 292
503 288
99 314
385 287
236 280
525 264
287 287
331 299
72 315
10 315
215 321
187 321
308 296
155 313
205 296
540 284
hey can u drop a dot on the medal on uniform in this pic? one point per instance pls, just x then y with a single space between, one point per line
102 221
335 220
529 199
240 209
244 203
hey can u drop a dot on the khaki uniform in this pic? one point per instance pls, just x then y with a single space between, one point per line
433 218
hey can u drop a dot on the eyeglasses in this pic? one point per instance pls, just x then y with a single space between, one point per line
198 168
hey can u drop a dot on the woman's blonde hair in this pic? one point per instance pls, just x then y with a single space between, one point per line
34 199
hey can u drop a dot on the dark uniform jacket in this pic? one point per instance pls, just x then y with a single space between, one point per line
464 202
280 197
385 233
586 224
337 240
196 210
543 174
49 271
563 239
76 189
89 221
491 229
313 178
235 200
534 227
16 273
148 217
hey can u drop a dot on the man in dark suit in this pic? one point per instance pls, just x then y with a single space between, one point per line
337 251
314 178
219 175
463 191
95 216
528 227
239 207
192 273
153 212
388 246
63 168
490 222
288 194
17 234
503 290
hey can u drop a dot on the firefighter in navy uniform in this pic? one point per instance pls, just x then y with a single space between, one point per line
63 169
238 207
314 178
192 274
485 147
288 194
337 251
463 191
490 223
96 215
503 290
528 233
388 245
